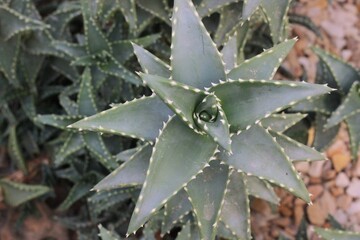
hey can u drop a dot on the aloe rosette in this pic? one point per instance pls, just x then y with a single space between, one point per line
211 133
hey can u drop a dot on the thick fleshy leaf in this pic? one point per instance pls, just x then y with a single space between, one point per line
122 50
95 40
322 104
18 193
229 53
86 98
247 101
261 189
344 74
141 118
72 144
79 190
204 65
295 150
128 8
231 21
274 13
354 132
182 99
105 234
185 233
72 50
329 234
209 6
348 107
114 68
235 213
9 52
179 154
15 150
255 148
150 63
130 173
281 122
323 137
126 155
96 146
206 193
210 118
264 65
156 8
58 121
13 22
175 209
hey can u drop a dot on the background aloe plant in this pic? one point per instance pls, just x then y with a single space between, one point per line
216 128
341 105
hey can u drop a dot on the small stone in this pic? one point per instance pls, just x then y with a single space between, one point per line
354 188
338 147
341 216
328 175
261 206
316 169
285 211
316 214
302 167
314 180
354 207
316 191
343 201
342 180
336 191
282 222
340 161
328 203
298 214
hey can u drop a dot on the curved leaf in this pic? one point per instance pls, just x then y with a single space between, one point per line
179 154
281 122
261 189
204 65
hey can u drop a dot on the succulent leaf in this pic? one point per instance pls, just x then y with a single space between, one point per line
186 69
349 107
210 118
322 104
182 99
13 23
274 13
96 146
261 189
150 63
323 137
18 193
237 97
207 7
254 147
15 150
155 7
235 212
329 234
229 53
206 194
86 98
185 232
193 152
230 22
58 121
140 118
354 132
264 65
295 150
344 74
73 143
105 234
281 122
176 208
9 50
130 173
128 8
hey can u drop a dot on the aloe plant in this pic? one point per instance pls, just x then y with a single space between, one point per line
209 129
329 234
342 105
